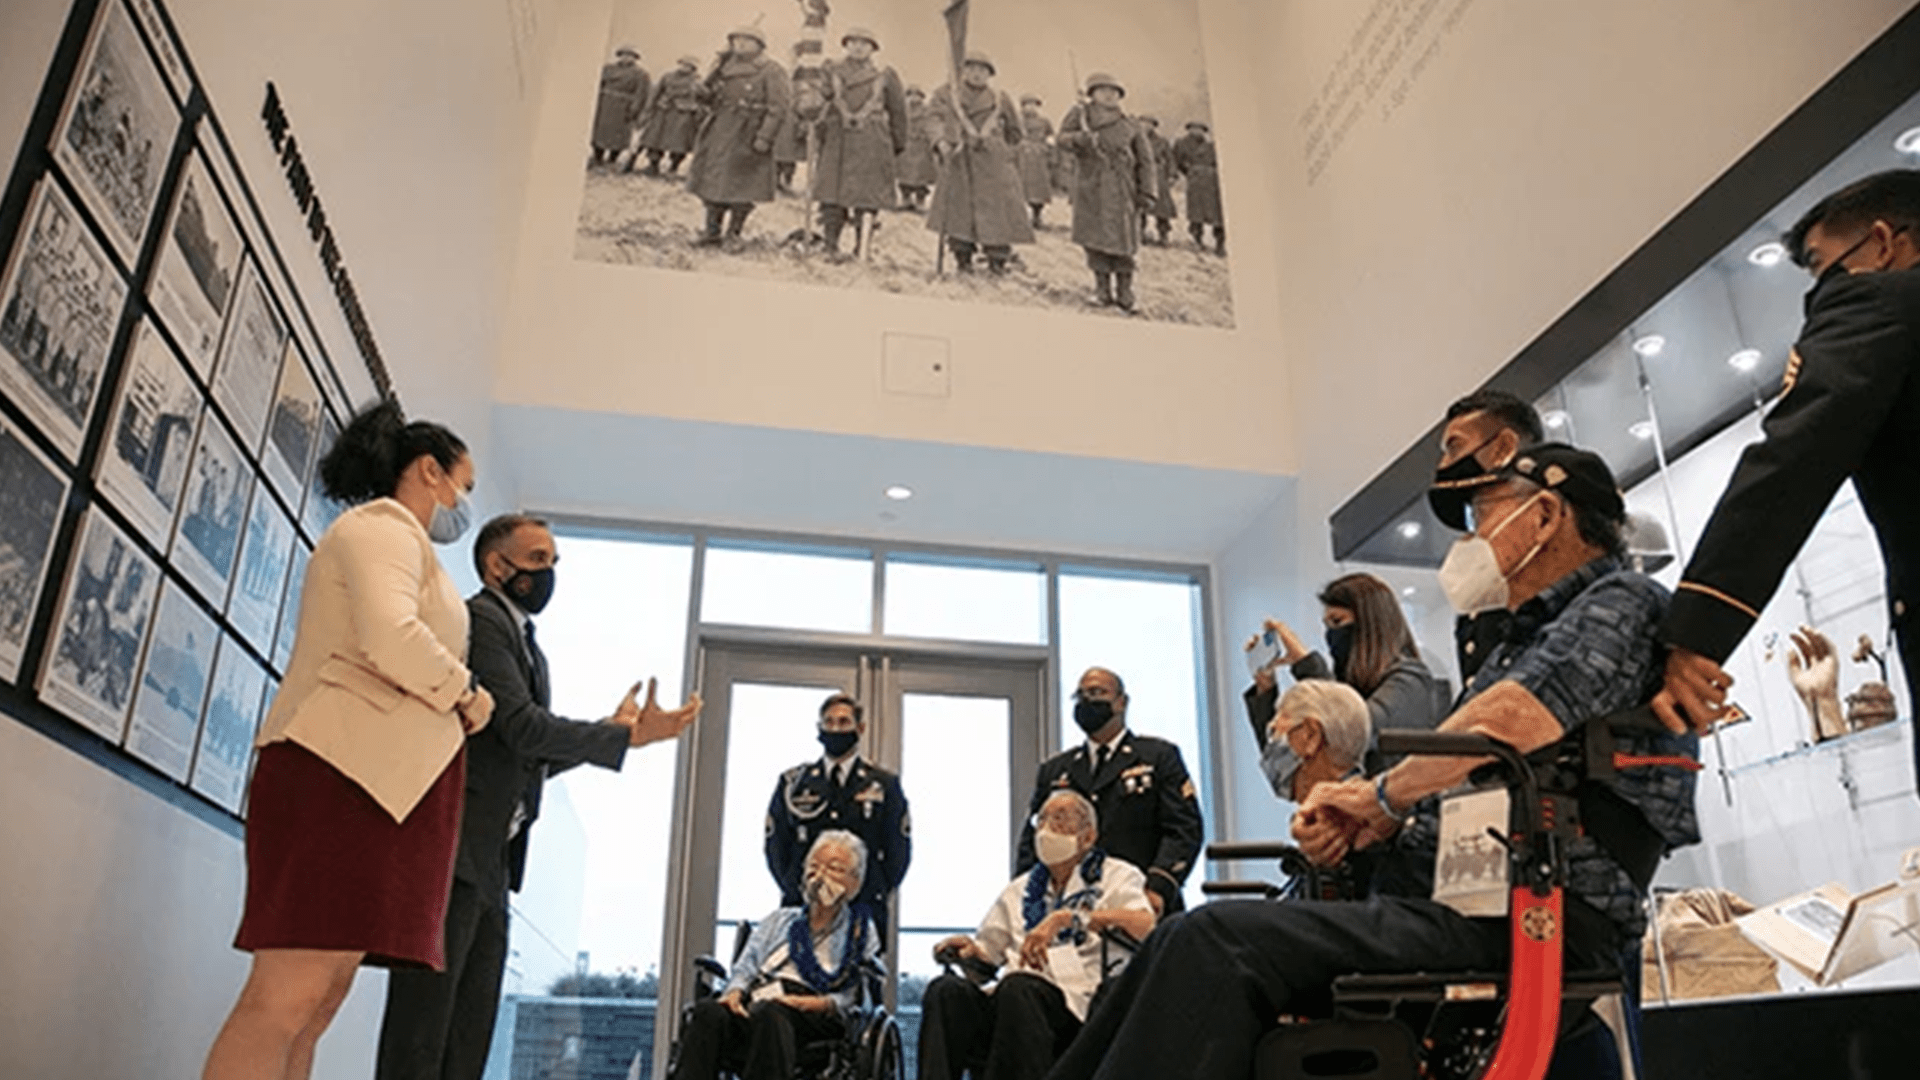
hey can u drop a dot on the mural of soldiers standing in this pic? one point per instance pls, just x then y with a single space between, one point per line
623 93
862 129
1036 157
791 146
915 164
1194 155
732 165
672 118
978 205
1114 182
1163 209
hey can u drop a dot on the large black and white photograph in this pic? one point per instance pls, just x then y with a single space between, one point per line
226 737
199 263
823 142
102 622
250 358
290 608
173 684
63 303
293 428
143 466
33 492
254 608
117 130
206 539
319 510
171 61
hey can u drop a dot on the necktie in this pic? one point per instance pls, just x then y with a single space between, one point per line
541 692
1100 756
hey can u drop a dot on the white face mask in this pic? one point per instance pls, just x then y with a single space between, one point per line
823 890
1471 575
1055 848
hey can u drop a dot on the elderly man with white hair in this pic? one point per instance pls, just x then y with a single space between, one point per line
1319 732
1044 931
798 979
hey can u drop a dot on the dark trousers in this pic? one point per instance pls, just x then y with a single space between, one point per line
439 1024
1014 1033
764 1045
1208 984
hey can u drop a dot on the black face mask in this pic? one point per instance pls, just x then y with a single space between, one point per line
1092 715
1340 647
1836 270
531 589
1466 466
838 743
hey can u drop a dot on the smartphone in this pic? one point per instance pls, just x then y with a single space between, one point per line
1262 654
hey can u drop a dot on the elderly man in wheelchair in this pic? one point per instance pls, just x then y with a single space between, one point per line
800 980
1049 932
1208 989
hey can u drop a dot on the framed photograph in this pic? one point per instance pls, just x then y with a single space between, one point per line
221 761
206 538
319 511
117 130
163 47
172 690
198 266
101 626
33 492
62 303
293 428
254 608
290 608
143 466
250 358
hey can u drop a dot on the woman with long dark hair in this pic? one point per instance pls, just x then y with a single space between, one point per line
355 808
1372 651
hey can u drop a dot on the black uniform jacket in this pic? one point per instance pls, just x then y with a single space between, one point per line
1149 811
1849 408
870 805
510 759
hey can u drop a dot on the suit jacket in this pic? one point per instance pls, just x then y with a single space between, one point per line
509 760
376 665
871 805
1849 409
1149 812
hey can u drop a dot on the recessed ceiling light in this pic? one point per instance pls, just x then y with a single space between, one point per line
1408 591
1641 429
1744 360
899 493
1771 253
1555 418
1649 346
1409 530
1908 141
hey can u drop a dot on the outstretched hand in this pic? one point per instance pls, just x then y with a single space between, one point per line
1695 693
649 723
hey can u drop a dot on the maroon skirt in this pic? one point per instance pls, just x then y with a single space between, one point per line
327 868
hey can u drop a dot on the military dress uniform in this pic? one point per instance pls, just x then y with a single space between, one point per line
1149 812
807 801
1849 409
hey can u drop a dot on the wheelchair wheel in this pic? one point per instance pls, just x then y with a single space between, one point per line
880 1056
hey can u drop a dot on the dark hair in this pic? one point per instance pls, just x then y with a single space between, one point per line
1509 411
377 446
1892 196
493 536
842 699
1380 633
1600 528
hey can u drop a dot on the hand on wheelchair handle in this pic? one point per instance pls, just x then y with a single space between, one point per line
735 1002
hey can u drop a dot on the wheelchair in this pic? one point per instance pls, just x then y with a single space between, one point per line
1477 1025
869 1049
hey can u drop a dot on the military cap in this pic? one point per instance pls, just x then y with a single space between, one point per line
1031 99
914 91
1201 124
984 61
689 62
1100 78
752 32
1579 476
627 50
863 34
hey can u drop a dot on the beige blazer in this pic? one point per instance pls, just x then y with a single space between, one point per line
378 658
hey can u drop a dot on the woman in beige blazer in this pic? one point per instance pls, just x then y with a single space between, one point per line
355 807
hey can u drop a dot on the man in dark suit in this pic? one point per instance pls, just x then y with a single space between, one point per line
1849 409
1149 811
439 1025
840 790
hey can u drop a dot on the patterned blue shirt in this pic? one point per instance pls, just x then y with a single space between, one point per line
1586 648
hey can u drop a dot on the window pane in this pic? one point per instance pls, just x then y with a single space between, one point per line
967 603
1147 632
789 590
958 748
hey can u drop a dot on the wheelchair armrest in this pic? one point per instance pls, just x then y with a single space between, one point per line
1120 938
1439 744
1235 850
1266 889
707 965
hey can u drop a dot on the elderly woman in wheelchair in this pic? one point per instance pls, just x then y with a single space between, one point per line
1049 939
800 981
